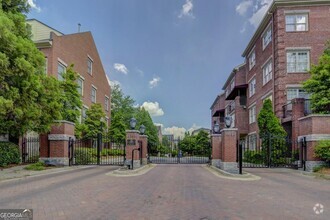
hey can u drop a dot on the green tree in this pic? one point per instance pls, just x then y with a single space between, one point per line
95 122
117 128
143 117
122 111
29 100
272 133
319 83
165 141
202 146
70 96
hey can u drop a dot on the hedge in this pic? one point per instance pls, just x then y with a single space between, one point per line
9 154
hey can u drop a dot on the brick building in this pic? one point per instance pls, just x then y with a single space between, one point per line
79 49
289 39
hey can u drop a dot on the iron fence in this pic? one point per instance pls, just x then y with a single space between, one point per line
30 150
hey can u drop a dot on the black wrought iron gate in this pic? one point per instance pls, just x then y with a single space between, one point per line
175 155
273 151
30 149
96 151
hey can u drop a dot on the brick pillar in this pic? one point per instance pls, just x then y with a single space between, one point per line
132 142
216 149
144 143
298 111
57 152
229 150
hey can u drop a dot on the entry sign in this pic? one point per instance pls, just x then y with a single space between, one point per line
131 142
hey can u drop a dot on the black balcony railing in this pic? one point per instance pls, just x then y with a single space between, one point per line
287 108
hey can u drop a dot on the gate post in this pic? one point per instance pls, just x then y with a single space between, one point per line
228 158
99 143
55 151
144 149
132 143
216 150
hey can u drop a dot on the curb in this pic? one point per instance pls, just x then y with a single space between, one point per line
127 173
225 175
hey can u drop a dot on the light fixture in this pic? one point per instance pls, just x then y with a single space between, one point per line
228 121
132 123
216 128
142 129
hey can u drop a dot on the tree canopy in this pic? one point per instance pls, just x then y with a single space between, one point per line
29 100
319 83
196 144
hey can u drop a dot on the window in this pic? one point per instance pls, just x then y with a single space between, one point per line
252 60
252 87
252 142
267 71
93 94
60 71
89 65
80 88
296 22
270 97
83 113
252 114
293 93
267 37
297 61
106 103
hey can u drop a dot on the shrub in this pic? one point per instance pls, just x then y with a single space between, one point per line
85 156
36 166
322 150
253 157
112 152
9 154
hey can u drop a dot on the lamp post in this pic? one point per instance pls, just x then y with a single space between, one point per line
142 129
216 128
132 123
228 121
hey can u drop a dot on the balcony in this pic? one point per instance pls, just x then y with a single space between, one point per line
298 107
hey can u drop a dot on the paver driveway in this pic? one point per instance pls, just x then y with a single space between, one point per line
168 192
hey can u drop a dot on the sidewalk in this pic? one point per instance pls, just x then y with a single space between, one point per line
19 171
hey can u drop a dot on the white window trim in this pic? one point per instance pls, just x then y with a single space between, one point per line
107 97
62 62
297 12
95 93
298 49
255 114
254 75
255 58
255 84
82 85
269 60
267 95
269 27
92 61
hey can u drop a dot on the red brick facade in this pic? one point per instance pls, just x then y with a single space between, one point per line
275 53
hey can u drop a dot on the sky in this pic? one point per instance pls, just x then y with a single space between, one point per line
171 56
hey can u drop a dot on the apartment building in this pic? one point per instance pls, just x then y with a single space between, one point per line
289 39
62 50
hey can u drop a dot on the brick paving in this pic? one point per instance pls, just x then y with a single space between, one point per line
168 192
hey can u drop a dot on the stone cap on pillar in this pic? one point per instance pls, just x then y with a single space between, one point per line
64 121
229 129
143 136
215 135
132 131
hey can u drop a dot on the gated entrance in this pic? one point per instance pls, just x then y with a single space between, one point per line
96 151
30 149
199 155
273 152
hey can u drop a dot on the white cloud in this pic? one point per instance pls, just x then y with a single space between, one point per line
120 68
33 5
176 131
153 108
243 7
254 10
114 83
259 13
187 9
194 127
154 82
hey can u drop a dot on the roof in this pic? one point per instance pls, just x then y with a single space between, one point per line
233 72
216 100
33 19
264 22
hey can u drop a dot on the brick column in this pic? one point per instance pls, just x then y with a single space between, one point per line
57 153
298 108
144 143
216 149
132 142
229 150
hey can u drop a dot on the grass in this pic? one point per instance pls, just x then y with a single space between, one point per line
322 172
36 166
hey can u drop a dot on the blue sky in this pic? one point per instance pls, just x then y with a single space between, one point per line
171 56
